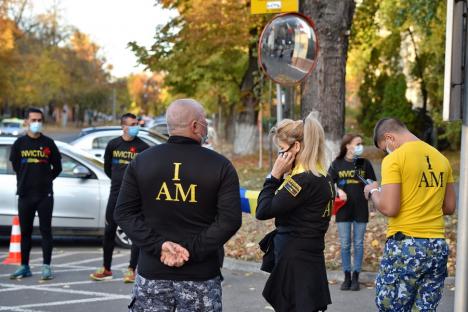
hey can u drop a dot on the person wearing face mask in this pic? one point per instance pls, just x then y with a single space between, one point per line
118 154
179 202
37 162
351 218
417 191
299 194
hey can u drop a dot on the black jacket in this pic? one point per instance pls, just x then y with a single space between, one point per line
302 205
37 162
305 214
180 192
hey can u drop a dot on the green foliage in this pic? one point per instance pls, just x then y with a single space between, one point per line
393 42
205 52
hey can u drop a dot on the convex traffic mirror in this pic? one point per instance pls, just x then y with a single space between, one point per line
288 48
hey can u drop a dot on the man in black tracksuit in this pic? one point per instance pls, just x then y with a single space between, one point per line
179 202
119 152
37 162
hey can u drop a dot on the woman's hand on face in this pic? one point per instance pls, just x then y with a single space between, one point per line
282 165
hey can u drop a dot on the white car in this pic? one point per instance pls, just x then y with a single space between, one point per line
95 142
81 192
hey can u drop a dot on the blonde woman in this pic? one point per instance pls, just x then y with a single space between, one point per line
299 195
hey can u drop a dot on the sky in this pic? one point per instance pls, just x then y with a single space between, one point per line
112 24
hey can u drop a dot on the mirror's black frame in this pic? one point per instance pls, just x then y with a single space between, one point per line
317 47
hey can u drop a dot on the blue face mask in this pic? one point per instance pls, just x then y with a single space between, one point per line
358 150
133 131
35 127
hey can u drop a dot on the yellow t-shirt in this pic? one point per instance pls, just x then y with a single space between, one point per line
423 173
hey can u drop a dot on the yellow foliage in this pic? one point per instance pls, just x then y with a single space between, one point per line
7 35
83 46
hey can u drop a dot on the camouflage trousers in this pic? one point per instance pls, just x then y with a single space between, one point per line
181 296
411 275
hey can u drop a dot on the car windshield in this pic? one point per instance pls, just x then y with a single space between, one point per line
90 158
11 125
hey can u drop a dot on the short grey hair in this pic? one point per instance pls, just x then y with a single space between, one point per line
386 125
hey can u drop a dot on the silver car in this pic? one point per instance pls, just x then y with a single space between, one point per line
95 142
80 194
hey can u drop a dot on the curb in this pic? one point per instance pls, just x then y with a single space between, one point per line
254 267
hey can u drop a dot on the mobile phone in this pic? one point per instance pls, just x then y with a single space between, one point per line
366 182
358 165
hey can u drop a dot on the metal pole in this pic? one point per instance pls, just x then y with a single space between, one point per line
260 137
279 104
113 104
270 161
461 275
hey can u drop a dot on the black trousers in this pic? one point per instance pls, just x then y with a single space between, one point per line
109 236
27 207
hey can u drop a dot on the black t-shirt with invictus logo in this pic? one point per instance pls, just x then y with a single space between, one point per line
343 173
37 162
119 153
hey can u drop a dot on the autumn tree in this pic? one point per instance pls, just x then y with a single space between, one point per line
396 45
147 94
324 90
45 63
209 52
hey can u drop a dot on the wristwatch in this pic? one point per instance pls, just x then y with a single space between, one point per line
373 191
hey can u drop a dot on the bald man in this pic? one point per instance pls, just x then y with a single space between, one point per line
179 202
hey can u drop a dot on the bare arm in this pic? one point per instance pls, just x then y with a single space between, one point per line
450 202
387 201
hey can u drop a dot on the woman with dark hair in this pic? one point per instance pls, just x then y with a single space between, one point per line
299 194
352 218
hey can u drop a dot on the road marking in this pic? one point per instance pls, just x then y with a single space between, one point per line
13 309
56 303
54 256
65 291
93 259
56 271
16 286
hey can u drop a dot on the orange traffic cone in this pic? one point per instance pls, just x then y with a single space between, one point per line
14 257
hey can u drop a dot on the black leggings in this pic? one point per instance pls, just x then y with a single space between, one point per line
27 207
109 237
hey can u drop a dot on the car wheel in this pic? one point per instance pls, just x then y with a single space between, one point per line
121 239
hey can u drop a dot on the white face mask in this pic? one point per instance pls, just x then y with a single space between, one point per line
387 149
35 127
358 150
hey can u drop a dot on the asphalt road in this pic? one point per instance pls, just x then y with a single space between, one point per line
73 291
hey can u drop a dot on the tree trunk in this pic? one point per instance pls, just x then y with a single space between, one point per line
324 90
246 119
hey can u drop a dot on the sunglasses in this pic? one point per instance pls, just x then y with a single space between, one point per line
285 151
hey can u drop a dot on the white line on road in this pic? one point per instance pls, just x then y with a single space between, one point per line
93 259
56 271
65 291
12 287
55 256
13 309
66 302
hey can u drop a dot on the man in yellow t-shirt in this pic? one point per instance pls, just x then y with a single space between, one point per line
417 191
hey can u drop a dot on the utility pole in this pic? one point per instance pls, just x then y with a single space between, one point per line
279 104
455 108
461 276
113 104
